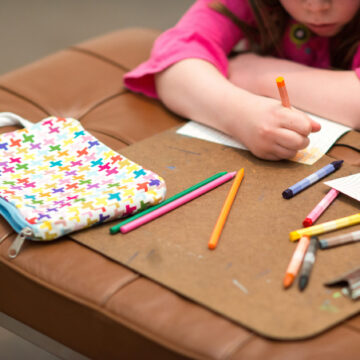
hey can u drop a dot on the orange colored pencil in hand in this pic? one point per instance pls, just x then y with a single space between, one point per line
225 210
280 82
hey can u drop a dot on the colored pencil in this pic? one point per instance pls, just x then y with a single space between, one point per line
339 240
116 228
320 207
325 227
308 263
296 261
176 203
225 210
311 179
280 82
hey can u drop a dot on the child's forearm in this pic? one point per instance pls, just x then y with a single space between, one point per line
195 89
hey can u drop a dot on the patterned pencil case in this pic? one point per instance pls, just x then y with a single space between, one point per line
57 178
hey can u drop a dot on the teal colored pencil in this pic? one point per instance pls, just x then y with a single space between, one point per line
115 229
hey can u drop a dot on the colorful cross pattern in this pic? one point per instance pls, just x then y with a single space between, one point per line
62 179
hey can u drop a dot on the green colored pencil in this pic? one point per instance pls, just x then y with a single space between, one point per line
115 229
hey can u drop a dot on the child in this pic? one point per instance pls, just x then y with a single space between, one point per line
314 45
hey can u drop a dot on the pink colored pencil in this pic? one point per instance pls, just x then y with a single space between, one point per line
176 203
320 207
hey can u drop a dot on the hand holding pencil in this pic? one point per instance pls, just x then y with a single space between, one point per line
295 125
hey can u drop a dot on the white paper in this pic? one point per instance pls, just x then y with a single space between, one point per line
349 185
200 131
320 142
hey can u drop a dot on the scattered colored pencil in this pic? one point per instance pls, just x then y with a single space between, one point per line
311 179
225 210
176 203
325 227
320 207
296 261
308 263
339 240
115 229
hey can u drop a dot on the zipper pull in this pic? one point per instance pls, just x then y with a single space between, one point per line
15 248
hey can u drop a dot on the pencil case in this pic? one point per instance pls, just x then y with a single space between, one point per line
57 178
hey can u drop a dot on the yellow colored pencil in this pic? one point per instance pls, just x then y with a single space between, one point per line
325 227
225 210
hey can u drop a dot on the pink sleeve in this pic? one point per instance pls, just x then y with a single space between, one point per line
356 62
201 33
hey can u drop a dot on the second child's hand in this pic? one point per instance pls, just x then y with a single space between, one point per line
311 89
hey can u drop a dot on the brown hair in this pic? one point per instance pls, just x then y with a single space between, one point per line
271 19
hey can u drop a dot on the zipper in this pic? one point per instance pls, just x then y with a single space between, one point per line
18 223
12 216
17 244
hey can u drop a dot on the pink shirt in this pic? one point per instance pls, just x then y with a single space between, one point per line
205 34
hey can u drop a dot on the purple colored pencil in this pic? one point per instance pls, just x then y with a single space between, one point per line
176 203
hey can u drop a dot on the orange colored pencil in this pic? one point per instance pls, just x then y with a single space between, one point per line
296 261
225 210
283 92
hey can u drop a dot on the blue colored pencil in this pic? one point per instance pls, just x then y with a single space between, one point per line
311 179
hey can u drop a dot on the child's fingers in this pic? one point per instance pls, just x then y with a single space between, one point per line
277 152
291 140
281 152
299 122
315 126
284 145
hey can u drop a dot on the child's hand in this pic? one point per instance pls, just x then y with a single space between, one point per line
271 131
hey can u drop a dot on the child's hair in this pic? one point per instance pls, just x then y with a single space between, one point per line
271 19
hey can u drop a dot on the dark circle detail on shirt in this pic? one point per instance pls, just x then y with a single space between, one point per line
299 34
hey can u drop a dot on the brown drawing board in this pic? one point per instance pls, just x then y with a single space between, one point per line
242 278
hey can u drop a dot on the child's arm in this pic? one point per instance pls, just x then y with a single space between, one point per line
195 89
328 93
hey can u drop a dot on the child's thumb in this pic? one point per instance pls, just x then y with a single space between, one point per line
315 126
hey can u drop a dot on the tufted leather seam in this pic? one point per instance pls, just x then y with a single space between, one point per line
227 353
102 102
25 99
120 288
6 235
351 327
239 346
98 56
112 136
48 285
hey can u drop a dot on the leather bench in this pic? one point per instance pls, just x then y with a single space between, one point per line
80 298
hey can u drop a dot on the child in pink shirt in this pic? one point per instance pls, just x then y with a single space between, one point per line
303 40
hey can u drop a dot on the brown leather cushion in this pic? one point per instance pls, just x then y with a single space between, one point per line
85 300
